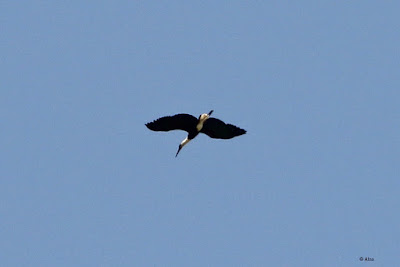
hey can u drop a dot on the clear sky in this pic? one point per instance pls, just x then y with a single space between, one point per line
314 182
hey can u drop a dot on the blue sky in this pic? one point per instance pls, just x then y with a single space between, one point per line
314 182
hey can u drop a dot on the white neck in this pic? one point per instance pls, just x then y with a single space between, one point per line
185 141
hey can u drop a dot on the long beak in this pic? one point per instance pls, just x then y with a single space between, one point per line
179 149
209 113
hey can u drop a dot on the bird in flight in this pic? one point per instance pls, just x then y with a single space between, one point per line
212 127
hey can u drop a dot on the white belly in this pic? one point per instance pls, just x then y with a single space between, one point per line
203 118
199 126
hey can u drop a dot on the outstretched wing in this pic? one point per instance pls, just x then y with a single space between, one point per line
177 122
216 128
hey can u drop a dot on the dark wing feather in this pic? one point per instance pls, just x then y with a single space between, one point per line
177 122
216 128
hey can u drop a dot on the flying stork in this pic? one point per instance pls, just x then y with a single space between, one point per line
212 127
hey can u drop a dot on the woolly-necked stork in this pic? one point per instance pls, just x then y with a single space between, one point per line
212 127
